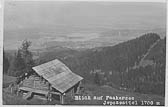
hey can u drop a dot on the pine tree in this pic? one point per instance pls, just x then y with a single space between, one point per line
19 65
27 55
97 79
5 63
23 62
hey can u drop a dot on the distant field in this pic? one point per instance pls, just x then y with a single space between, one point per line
75 38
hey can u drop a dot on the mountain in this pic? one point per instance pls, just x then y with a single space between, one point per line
152 75
104 57
115 64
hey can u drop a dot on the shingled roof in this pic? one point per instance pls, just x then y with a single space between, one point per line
58 75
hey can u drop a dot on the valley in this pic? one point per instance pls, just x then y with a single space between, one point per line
113 66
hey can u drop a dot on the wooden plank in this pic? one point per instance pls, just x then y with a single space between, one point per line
72 93
41 91
78 87
49 97
56 93
62 99
38 91
28 95
34 90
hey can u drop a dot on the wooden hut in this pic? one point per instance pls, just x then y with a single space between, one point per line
53 78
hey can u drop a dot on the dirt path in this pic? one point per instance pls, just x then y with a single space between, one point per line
144 62
147 53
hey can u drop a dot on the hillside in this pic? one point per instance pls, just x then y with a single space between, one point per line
157 53
8 80
152 73
90 90
111 70
114 65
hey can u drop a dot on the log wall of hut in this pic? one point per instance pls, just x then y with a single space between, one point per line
35 82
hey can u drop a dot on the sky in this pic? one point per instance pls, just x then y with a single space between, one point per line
84 14
37 17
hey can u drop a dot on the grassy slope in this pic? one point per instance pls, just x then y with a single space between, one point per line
12 99
94 90
90 89
8 80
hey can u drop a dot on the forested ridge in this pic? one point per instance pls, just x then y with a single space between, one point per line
113 65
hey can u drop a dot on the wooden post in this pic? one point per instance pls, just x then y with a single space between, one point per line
78 88
49 86
49 95
72 93
11 87
11 90
34 83
62 98
18 92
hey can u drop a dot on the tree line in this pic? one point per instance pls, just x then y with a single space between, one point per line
120 59
21 63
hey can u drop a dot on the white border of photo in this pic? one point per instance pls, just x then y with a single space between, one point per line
1 42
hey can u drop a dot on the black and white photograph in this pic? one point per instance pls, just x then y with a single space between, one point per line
102 53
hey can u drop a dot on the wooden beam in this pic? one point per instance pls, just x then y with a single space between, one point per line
78 88
17 92
49 97
56 93
62 99
34 90
34 84
72 93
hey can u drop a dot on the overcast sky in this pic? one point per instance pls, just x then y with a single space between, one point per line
61 20
84 14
